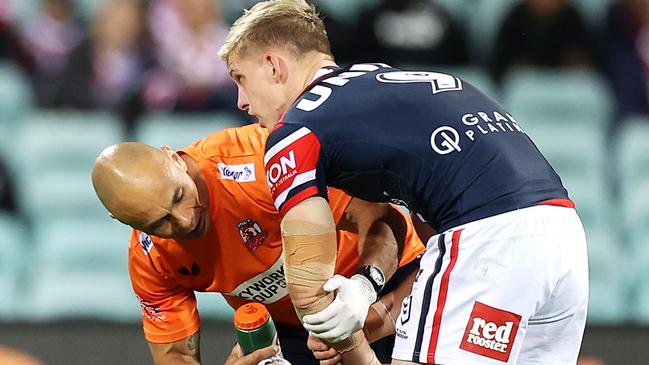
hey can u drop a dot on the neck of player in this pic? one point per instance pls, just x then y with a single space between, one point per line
312 63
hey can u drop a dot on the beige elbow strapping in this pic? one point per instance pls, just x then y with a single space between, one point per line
309 261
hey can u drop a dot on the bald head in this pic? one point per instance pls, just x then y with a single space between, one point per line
151 190
129 176
123 172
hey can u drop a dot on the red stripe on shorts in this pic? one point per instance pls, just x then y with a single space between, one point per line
441 299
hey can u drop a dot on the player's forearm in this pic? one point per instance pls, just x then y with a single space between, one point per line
309 243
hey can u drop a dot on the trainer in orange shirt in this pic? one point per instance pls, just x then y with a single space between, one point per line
211 226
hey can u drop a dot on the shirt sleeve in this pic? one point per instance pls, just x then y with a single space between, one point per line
169 311
294 170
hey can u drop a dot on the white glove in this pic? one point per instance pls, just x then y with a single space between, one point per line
347 313
275 360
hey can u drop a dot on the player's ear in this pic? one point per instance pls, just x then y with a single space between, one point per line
174 156
278 68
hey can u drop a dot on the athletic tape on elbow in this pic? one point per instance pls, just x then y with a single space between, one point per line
309 261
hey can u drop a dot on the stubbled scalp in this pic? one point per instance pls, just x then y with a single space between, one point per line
125 172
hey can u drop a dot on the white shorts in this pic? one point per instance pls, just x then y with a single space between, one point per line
511 288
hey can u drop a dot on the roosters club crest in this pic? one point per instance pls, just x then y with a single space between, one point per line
251 234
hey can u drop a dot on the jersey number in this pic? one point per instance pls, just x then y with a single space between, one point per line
323 92
440 82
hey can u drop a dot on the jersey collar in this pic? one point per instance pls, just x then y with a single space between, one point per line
319 75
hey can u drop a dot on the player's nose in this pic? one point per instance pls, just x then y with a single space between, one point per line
242 101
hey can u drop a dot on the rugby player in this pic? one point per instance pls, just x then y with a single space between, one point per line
506 278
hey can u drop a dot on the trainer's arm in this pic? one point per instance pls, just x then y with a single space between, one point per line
382 237
183 352
382 233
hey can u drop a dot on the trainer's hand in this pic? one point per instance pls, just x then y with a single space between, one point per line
324 353
347 313
237 358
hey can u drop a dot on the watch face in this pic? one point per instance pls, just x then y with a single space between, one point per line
377 276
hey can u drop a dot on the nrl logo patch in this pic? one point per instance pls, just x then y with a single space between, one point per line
251 234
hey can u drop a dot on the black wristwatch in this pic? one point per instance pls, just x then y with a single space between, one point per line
374 275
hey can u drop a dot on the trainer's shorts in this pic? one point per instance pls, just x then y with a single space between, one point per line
511 288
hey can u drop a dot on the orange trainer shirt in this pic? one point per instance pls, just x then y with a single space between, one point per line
241 254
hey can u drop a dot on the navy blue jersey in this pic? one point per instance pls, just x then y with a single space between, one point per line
426 140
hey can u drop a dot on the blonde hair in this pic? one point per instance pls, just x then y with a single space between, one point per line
294 24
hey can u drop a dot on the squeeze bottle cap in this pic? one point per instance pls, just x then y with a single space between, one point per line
251 316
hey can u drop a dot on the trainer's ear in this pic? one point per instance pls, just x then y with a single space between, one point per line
174 156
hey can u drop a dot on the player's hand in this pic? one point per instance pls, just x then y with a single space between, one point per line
236 356
324 353
347 313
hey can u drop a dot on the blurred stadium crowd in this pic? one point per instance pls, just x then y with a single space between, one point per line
79 75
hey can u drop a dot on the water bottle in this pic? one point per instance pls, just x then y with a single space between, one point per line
255 329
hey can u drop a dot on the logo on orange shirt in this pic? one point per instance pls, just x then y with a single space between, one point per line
251 234
146 243
239 173
151 312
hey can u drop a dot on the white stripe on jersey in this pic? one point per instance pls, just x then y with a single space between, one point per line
298 180
285 142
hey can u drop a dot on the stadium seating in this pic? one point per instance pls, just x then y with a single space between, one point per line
212 306
458 9
57 152
345 10
88 8
178 130
27 11
484 20
51 141
632 151
637 233
577 153
569 97
13 248
640 312
610 278
593 11
62 193
79 270
15 100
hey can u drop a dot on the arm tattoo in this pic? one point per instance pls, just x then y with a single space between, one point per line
193 345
